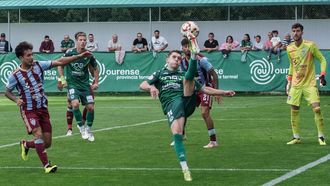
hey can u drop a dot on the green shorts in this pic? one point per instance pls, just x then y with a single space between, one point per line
84 96
181 107
311 95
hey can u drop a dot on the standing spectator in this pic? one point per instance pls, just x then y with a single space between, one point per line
245 46
258 45
211 44
140 44
92 45
268 43
228 46
159 43
4 44
287 40
66 43
276 46
114 44
47 45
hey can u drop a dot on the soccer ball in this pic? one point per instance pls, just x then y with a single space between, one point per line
190 29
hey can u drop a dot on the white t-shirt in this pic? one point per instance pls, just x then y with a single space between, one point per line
111 44
158 43
259 45
92 46
275 41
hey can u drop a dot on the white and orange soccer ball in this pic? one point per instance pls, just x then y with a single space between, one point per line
190 29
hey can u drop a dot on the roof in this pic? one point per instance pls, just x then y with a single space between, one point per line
38 4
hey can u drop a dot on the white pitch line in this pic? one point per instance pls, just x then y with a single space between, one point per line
152 169
297 171
97 130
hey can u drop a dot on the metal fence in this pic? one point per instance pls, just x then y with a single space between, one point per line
219 13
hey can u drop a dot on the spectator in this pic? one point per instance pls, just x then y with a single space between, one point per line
114 44
258 45
47 45
287 40
268 43
66 43
140 44
4 44
245 46
211 44
92 45
276 46
228 46
159 43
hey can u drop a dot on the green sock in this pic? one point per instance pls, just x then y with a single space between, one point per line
77 115
179 148
192 69
90 118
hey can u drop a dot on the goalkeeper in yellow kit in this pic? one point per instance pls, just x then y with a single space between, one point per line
302 82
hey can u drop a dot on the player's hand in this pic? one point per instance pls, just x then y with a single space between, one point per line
229 93
95 86
59 85
288 87
19 102
323 82
86 53
154 92
218 99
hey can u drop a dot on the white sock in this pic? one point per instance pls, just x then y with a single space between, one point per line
184 165
296 136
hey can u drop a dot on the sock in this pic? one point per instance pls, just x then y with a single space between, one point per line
84 115
29 144
39 144
295 123
184 165
319 121
212 134
90 118
69 118
77 115
192 69
179 148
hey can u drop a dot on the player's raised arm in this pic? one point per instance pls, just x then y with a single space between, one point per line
217 92
66 60
149 88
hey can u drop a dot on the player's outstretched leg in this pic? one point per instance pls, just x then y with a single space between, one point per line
295 127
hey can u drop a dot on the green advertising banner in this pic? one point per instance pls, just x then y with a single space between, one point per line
256 75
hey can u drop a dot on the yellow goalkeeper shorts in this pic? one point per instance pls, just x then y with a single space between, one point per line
311 95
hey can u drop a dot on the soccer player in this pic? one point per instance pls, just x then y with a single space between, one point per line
177 94
29 81
78 85
207 77
69 114
301 81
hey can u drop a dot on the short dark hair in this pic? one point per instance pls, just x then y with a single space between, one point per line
156 31
22 47
211 33
46 36
275 31
173 51
3 35
76 35
184 41
298 25
257 36
90 34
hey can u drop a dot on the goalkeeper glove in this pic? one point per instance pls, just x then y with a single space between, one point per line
323 82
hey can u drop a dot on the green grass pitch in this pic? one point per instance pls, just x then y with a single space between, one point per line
132 140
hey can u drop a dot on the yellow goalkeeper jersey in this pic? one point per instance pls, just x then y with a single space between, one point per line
302 67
